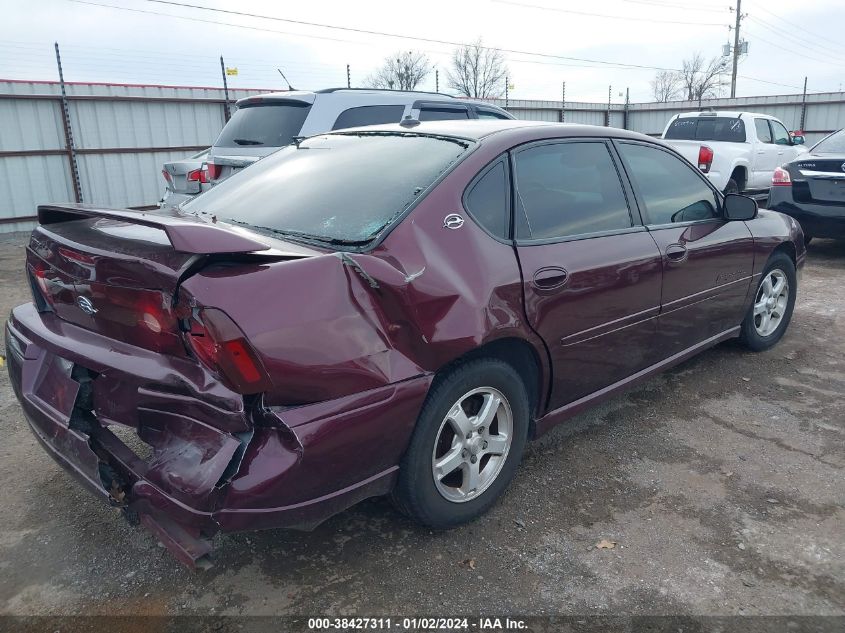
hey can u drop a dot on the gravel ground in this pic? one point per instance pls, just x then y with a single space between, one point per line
720 484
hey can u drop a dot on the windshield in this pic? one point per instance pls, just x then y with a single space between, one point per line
833 144
342 188
268 125
729 129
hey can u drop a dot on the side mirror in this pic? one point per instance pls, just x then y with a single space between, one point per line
739 207
798 139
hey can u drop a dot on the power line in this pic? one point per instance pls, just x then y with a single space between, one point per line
601 63
675 5
776 30
362 31
785 49
393 35
594 15
785 21
430 40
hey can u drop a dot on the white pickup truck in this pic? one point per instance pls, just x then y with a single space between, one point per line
739 151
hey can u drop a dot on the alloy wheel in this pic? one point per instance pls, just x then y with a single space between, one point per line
472 444
771 302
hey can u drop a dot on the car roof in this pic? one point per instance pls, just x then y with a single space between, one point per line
478 129
735 114
363 94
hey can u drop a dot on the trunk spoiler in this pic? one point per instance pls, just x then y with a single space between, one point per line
186 235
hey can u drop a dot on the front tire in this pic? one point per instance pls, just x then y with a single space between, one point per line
466 446
770 313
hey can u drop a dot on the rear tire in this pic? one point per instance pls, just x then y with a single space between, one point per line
774 300
467 444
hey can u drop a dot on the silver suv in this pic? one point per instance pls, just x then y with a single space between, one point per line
264 123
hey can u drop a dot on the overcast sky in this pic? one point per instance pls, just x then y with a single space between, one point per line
165 44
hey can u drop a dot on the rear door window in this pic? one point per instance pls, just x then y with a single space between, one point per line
369 115
764 134
430 113
264 125
567 189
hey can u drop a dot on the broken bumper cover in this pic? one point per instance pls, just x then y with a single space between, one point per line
213 464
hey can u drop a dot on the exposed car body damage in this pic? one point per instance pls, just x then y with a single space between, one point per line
340 345
254 466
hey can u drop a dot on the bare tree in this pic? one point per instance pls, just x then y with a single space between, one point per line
666 86
701 79
402 71
477 71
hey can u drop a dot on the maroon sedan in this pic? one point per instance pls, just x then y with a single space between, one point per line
386 310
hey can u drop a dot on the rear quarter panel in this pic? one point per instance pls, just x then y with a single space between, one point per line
327 326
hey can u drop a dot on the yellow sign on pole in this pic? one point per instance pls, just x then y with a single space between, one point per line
232 71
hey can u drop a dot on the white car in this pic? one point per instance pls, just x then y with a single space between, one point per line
264 123
738 151
184 179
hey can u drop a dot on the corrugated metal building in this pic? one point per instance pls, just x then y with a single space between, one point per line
122 134
822 113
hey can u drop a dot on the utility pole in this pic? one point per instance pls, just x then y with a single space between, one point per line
69 144
563 103
804 106
436 80
226 112
736 46
607 118
506 92
627 107
348 77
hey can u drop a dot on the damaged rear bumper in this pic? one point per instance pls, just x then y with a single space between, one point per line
208 460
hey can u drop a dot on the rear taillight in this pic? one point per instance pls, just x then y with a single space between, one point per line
781 178
40 273
214 171
41 288
705 158
146 314
198 175
220 345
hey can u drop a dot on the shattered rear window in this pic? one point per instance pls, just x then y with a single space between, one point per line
336 188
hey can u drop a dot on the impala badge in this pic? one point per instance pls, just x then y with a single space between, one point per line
453 221
86 306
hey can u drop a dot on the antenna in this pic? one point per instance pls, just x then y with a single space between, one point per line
286 79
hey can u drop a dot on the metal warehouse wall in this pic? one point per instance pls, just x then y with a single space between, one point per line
823 113
123 134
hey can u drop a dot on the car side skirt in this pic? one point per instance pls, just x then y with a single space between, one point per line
561 414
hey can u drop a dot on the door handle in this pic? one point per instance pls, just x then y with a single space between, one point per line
550 278
676 252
